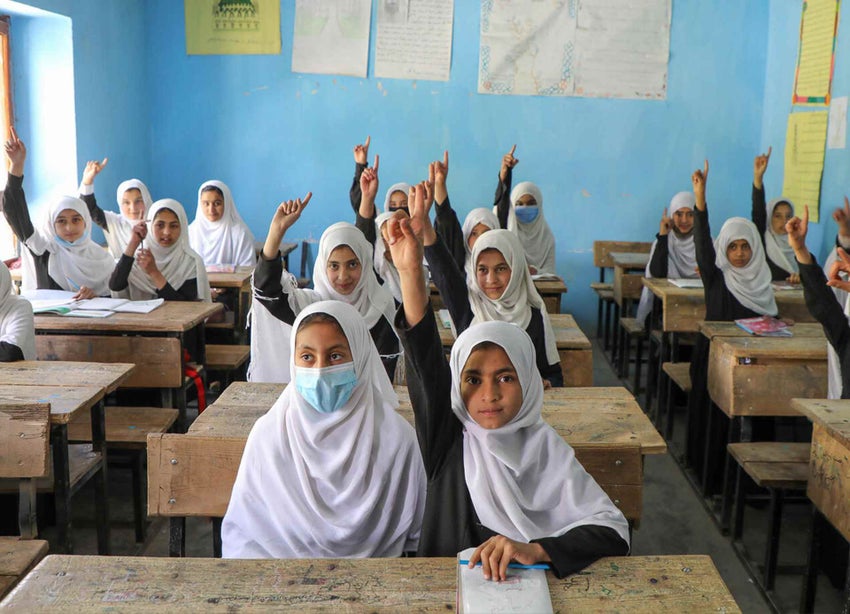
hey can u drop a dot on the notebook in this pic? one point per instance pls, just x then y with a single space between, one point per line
525 590
765 326
687 283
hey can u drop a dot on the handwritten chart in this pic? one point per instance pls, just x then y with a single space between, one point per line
414 39
805 142
331 37
595 48
816 58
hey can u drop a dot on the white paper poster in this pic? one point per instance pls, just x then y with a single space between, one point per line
836 133
599 48
414 39
331 37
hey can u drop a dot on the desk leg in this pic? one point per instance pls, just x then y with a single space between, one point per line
846 607
660 387
743 433
651 371
27 510
62 487
177 537
216 531
101 499
810 577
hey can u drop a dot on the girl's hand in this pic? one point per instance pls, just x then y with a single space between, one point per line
16 153
441 169
140 231
664 226
498 551
547 385
84 293
508 162
842 218
361 152
369 182
797 229
92 170
287 213
760 167
698 180
793 278
405 246
841 265
419 201
147 262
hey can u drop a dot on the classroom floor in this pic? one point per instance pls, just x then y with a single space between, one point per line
674 522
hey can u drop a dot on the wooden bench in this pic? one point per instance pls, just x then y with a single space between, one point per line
777 467
227 359
17 557
605 290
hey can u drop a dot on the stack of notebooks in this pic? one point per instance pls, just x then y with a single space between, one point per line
59 302
525 590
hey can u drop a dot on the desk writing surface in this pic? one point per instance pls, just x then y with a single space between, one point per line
784 348
36 372
638 584
568 335
630 260
730 329
240 277
65 401
832 414
170 317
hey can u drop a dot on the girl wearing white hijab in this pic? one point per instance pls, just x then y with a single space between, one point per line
60 255
332 470
673 254
168 268
770 219
522 214
737 285
17 327
133 198
343 271
499 478
218 233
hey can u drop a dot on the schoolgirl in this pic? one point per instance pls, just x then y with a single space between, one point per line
17 327
499 478
332 470
770 219
218 233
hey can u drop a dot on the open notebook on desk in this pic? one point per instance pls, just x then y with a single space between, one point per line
60 302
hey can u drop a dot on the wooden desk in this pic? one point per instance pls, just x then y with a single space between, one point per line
155 342
550 291
56 373
637 584
730 329
606 427
627 283
829 471
574 348
239 280
17 557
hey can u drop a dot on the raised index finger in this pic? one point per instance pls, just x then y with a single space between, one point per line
513 149
769 150
367 141
805 217
446 158
104 163
705 170
375 166
306 199
13 133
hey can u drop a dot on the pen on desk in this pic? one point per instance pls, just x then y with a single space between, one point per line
511 565
73 284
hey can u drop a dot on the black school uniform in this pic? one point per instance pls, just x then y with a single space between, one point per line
267 278
777 273
720 305
455 294
120 280
450 523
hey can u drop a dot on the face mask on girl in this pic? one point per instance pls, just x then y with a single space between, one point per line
327 389
526 214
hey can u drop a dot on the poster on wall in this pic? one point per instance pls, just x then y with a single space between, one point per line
805 143
593 48
331 37
232 27
414 39
816 56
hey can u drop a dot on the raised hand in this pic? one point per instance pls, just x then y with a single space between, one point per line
16 153
664 226
441 173
760 167
797 229
841 265
419 202
698 180
369 183
140 231
404 243
508 162
361 152
842 218
92 170
286 214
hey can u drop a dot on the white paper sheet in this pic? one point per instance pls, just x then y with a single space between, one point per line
836 132
602 48
414 39
331 37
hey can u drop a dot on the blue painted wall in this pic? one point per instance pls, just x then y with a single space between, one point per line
606 167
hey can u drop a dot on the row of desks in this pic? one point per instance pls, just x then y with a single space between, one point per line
550 291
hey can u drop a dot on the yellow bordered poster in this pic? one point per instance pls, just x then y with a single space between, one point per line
232 27
816 57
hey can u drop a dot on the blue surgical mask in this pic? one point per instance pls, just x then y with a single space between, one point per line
526 214
327 388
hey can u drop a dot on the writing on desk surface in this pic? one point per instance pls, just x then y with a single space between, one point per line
827 469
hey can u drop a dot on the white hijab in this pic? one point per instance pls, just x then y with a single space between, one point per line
369 297
402 187
520 295
177 263
536 236
523 478
77 264
119 229
681 253
226 241
481 215
384 267
749 284
835 384
779 250
345 484
16 320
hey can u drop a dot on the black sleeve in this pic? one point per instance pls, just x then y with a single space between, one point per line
705 253
535 330
578 548
354 192
9 352
187 292
119 279
503 198
658 264
450 232
552 373
270 292
429 382
823 305
96 213
367 227
451 283
759 213
13 201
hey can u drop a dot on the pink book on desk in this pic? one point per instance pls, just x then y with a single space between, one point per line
765 326
221 268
